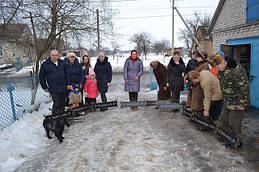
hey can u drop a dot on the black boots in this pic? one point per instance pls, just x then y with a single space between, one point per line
102 109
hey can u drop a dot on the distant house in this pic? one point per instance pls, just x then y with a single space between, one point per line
205 40
15 42
57 44
235 31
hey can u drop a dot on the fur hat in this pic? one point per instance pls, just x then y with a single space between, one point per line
154 64
91 72
71 55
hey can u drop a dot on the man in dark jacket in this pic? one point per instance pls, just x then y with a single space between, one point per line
175 81
53 80
235 92
103 71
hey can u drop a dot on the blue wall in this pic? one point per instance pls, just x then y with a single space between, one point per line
254 67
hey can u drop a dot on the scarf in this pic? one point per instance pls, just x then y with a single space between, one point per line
134 59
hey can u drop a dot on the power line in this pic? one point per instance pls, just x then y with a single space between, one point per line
162 8
158 16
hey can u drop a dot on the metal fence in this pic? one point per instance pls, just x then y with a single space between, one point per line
18 97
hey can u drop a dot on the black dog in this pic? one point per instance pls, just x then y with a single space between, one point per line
55 124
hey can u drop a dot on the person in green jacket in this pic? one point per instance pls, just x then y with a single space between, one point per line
235 91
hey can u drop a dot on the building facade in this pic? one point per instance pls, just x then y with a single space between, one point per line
205 40
235 31
16 42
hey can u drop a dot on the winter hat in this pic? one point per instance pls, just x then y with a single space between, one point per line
76 86
220 57
101 54
71 55
154 64
91 72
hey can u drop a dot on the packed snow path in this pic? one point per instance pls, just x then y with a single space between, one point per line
123 140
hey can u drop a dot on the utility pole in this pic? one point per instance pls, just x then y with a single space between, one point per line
173 27
193 36
98 31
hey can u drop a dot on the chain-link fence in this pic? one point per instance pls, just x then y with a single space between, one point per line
19 96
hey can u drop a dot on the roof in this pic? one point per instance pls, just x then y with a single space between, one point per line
216 14
12 30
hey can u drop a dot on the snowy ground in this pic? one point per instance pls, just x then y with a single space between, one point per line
116 140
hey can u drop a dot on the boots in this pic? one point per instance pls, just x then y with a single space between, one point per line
103 108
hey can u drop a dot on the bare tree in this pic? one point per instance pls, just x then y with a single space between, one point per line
115 48
194 22
8 12
161 46
186 37
142 41
73 21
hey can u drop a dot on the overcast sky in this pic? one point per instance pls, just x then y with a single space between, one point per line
154 17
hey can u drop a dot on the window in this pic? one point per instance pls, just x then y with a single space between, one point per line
252 13
1 51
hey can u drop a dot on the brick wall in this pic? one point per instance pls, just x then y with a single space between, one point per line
231 24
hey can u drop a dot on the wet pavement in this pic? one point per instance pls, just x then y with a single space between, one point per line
143 140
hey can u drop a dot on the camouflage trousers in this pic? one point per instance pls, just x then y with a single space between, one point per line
231 119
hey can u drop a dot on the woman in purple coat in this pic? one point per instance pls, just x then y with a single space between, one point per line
133 69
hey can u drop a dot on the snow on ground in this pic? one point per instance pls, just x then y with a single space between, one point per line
22 140
24 71
116 140
4 65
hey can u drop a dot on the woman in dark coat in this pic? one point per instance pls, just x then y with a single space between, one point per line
160 72
85 67
103 71
133 69
74 72
175 80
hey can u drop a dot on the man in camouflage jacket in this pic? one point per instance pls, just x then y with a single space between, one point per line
235 92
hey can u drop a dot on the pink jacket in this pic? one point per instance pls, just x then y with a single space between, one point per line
91 88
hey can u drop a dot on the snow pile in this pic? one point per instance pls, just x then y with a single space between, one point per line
22 140
24 71
3 66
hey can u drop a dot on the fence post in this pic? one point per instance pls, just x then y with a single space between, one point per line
18 64
10 90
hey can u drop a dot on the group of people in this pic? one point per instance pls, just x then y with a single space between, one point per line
69 79
217 87
66 80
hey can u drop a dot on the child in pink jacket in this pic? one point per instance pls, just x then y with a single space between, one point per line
91 89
